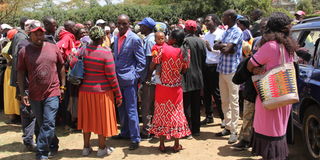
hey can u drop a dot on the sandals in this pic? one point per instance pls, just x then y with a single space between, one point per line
177 149
162 149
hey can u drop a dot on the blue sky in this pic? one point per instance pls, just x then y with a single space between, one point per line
101 2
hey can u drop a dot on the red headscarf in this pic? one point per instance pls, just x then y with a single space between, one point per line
191 25
11 33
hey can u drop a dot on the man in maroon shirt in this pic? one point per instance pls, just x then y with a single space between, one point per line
42 63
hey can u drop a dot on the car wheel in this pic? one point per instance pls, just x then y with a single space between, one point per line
311 131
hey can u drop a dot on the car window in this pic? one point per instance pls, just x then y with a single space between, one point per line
309 41
317 58
295 35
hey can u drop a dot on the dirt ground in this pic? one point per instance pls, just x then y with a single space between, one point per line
205 147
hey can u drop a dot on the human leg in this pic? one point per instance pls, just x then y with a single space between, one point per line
148 93
195 112
187 107
28 123
123 117
130 94
45 112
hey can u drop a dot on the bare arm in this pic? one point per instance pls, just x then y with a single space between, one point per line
152 67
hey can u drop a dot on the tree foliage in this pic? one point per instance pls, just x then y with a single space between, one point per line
305 5
160 10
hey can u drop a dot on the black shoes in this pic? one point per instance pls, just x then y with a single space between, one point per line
146 137
31 147
242 145
225 132
119 137
206 121
134 146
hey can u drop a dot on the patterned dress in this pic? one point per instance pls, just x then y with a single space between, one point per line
169 119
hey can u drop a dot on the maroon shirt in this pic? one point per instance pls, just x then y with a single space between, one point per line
41 63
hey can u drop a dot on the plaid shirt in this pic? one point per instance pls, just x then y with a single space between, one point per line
228 63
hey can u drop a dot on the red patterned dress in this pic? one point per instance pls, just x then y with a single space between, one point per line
169 119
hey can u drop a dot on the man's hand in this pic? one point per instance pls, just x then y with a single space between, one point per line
208 46
25 100
119 102
61 94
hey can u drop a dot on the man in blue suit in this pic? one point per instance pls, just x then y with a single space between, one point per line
130 62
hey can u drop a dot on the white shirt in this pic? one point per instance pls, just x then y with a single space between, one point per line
213 57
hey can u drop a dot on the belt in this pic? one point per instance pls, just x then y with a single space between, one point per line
212 65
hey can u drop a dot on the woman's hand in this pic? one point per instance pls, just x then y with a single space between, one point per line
258 70
118 102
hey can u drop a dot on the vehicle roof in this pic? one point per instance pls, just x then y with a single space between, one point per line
313 19
307 26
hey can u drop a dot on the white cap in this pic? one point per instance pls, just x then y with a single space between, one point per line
100 21
5 26
107 28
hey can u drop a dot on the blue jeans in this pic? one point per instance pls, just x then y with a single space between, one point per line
45 112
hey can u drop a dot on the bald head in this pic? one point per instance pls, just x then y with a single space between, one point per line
70 26
229 17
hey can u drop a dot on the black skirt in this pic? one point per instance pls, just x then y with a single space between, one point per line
270 148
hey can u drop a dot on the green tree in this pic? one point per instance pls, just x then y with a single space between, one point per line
306 5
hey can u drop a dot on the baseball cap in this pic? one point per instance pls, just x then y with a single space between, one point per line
100 21
5 26
36 25
149 22
300 13
191 25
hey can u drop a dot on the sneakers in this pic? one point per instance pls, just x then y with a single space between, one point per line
206 121
223 124
86 151
233 138
146 137
242 145
105 151
225 132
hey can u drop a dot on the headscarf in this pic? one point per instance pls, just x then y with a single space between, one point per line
191 25
96 33
11 33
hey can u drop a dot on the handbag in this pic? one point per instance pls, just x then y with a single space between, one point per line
278 86
76 74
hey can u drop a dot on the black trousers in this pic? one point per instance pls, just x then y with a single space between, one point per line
191 104
28 123
211 88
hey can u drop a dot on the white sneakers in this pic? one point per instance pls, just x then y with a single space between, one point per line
100 153
105 151
233 138
86 151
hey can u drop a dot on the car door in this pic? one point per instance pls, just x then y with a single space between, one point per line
309 41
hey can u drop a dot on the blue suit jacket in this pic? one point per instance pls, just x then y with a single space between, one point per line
131 61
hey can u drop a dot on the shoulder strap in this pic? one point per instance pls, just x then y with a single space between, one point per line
260 65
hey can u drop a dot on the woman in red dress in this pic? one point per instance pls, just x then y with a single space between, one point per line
169 120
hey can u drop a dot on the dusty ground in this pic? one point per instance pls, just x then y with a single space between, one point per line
204 147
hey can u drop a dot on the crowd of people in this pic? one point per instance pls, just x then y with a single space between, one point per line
168 71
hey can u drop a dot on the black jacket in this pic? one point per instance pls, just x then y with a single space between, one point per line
243 75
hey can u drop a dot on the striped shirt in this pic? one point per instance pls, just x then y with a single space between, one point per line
99 71
228 63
